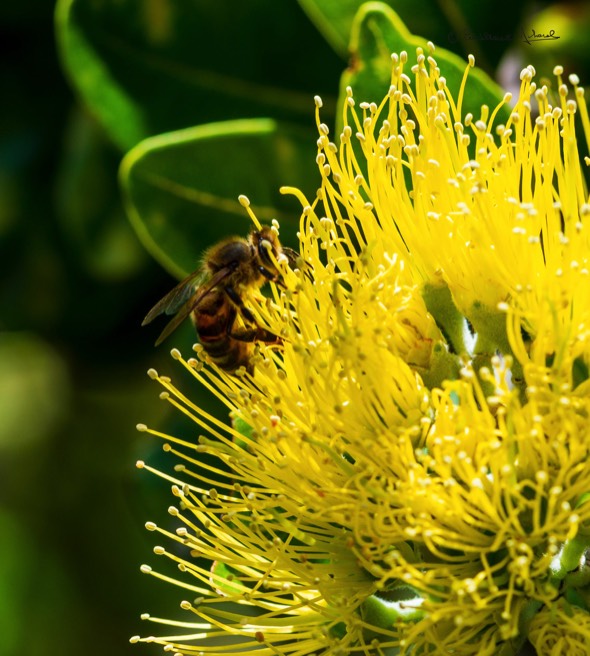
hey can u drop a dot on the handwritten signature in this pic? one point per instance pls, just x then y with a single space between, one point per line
534 36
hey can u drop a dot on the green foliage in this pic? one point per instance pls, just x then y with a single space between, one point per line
181 188
150 66
90 211
482 29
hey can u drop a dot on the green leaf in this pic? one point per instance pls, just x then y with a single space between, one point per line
377 32
150 66
463 26
89 205
335 18
181 189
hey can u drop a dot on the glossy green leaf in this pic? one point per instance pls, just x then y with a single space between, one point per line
89 206
182 188
145 67
377 32
463 26
335 18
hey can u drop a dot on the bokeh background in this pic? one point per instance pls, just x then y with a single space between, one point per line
83 83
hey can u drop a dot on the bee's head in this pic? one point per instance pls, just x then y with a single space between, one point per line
268 248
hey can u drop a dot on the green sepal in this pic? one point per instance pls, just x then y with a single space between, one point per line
578 579
527 613
222 580
580 373
527 610
443 366
577 598
570 557
243 428
402 605
492 338
338 630
572 552
439 302
584 498
482 357
490 326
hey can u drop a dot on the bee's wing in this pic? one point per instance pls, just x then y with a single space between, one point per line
178 318
176 297
175 301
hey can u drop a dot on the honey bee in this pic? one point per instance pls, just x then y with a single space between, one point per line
213 296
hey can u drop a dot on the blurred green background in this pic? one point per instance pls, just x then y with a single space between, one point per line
84 83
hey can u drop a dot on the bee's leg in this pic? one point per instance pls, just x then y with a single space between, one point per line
256 334
272 277
269 275
292 257
253 333
239 303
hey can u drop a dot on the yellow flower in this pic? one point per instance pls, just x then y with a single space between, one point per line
379 490
561 630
